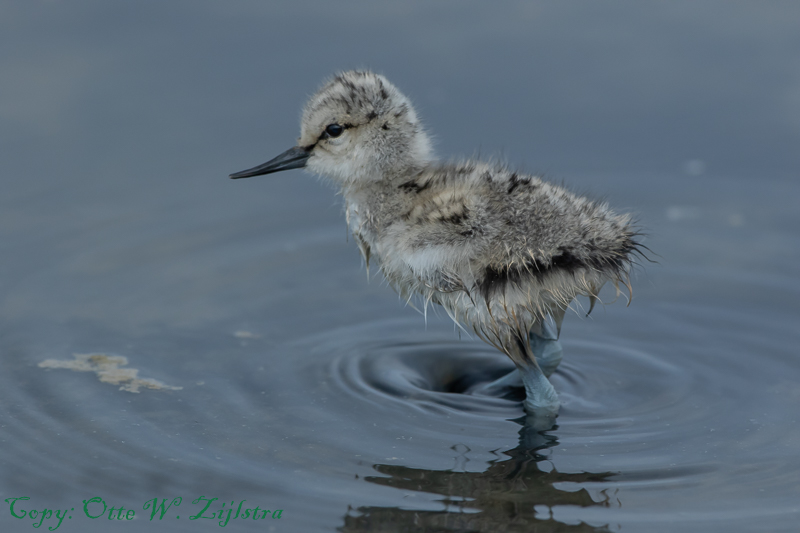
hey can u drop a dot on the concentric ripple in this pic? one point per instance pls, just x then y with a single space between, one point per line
598 380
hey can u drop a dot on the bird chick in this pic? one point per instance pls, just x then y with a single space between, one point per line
500 251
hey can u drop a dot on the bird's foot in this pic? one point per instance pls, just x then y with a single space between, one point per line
546 348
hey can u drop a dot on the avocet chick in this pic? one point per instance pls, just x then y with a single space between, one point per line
499 250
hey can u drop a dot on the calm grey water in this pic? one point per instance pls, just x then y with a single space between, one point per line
283 378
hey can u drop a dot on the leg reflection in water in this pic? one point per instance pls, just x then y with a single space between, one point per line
506 497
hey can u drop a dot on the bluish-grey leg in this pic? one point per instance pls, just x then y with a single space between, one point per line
541 400
545 346
548 353
540 396
499 386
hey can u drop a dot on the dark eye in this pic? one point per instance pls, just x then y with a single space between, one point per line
334 130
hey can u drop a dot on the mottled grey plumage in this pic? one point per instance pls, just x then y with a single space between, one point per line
499 250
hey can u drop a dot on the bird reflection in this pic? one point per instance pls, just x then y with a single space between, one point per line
512 495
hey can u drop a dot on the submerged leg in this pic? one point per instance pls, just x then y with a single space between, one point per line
536 354
541 399
499 386
545 346
540 396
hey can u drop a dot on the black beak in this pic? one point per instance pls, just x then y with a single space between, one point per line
292 158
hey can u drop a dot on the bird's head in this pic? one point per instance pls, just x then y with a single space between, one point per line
358 127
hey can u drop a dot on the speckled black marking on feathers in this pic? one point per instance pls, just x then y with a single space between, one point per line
414 186
457 218
614 262
356 96
515 181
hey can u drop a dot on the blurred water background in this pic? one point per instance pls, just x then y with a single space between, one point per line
269 370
